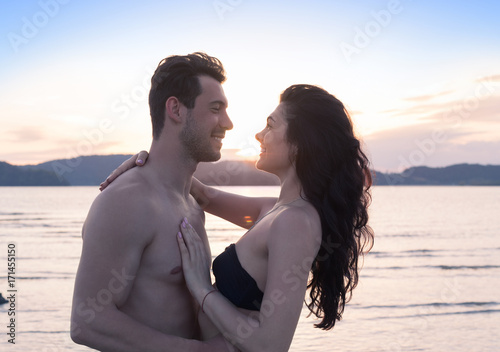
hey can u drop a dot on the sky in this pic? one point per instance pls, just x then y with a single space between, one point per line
421 79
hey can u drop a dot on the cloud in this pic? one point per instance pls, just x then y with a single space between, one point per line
482 104
427 97
435 143
468 110
24 134
355 112
494 78
418 110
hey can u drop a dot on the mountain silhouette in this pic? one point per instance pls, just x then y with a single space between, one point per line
92 170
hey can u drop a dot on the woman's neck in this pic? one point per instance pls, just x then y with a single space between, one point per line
290 188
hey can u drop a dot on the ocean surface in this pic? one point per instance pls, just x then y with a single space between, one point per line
430 283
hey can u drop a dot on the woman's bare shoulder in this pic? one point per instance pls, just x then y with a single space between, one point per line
299 223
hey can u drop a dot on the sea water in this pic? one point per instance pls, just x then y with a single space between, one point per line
430 283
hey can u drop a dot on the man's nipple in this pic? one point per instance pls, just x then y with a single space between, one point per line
176 270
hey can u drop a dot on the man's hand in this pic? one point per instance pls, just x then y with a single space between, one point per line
138 159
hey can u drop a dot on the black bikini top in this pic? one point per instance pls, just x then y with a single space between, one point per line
234 282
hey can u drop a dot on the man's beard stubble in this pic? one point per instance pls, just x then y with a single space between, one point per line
197 144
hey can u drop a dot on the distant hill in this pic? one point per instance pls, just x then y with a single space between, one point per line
460 174
234 173
16 176
92 170
84 170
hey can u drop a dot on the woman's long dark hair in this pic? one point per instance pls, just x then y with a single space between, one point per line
335 177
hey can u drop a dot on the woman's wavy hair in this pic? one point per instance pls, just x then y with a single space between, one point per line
336 179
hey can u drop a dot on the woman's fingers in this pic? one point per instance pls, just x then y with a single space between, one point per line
196 248
195 260
126 165
138 159
183 248
142 156
192 240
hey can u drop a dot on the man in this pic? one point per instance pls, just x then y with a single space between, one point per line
130 293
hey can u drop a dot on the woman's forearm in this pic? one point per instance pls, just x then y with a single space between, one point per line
240 210
238 328
201 192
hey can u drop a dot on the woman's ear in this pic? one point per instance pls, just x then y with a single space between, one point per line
173 109
293 153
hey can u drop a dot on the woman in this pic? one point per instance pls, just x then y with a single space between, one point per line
308 239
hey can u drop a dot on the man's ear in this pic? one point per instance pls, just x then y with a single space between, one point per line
173 109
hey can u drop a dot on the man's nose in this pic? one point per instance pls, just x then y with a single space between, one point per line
226 122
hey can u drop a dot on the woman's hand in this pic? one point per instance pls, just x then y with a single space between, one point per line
138 159
195 261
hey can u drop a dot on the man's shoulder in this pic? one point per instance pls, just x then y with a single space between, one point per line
130 188
121 210
127 199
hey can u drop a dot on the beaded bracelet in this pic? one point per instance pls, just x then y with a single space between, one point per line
204 298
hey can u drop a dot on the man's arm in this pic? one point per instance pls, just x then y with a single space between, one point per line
114 237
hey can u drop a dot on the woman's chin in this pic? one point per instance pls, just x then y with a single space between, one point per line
260 165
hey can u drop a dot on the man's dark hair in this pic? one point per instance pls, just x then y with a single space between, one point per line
177 76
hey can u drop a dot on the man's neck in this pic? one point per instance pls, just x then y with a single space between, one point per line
170 167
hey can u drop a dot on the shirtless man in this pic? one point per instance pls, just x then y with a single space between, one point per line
130 293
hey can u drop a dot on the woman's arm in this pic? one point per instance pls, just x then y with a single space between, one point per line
240 210
208 329
292 249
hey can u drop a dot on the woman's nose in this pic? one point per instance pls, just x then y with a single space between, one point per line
258 136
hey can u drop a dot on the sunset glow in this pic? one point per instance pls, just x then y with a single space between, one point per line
421 82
